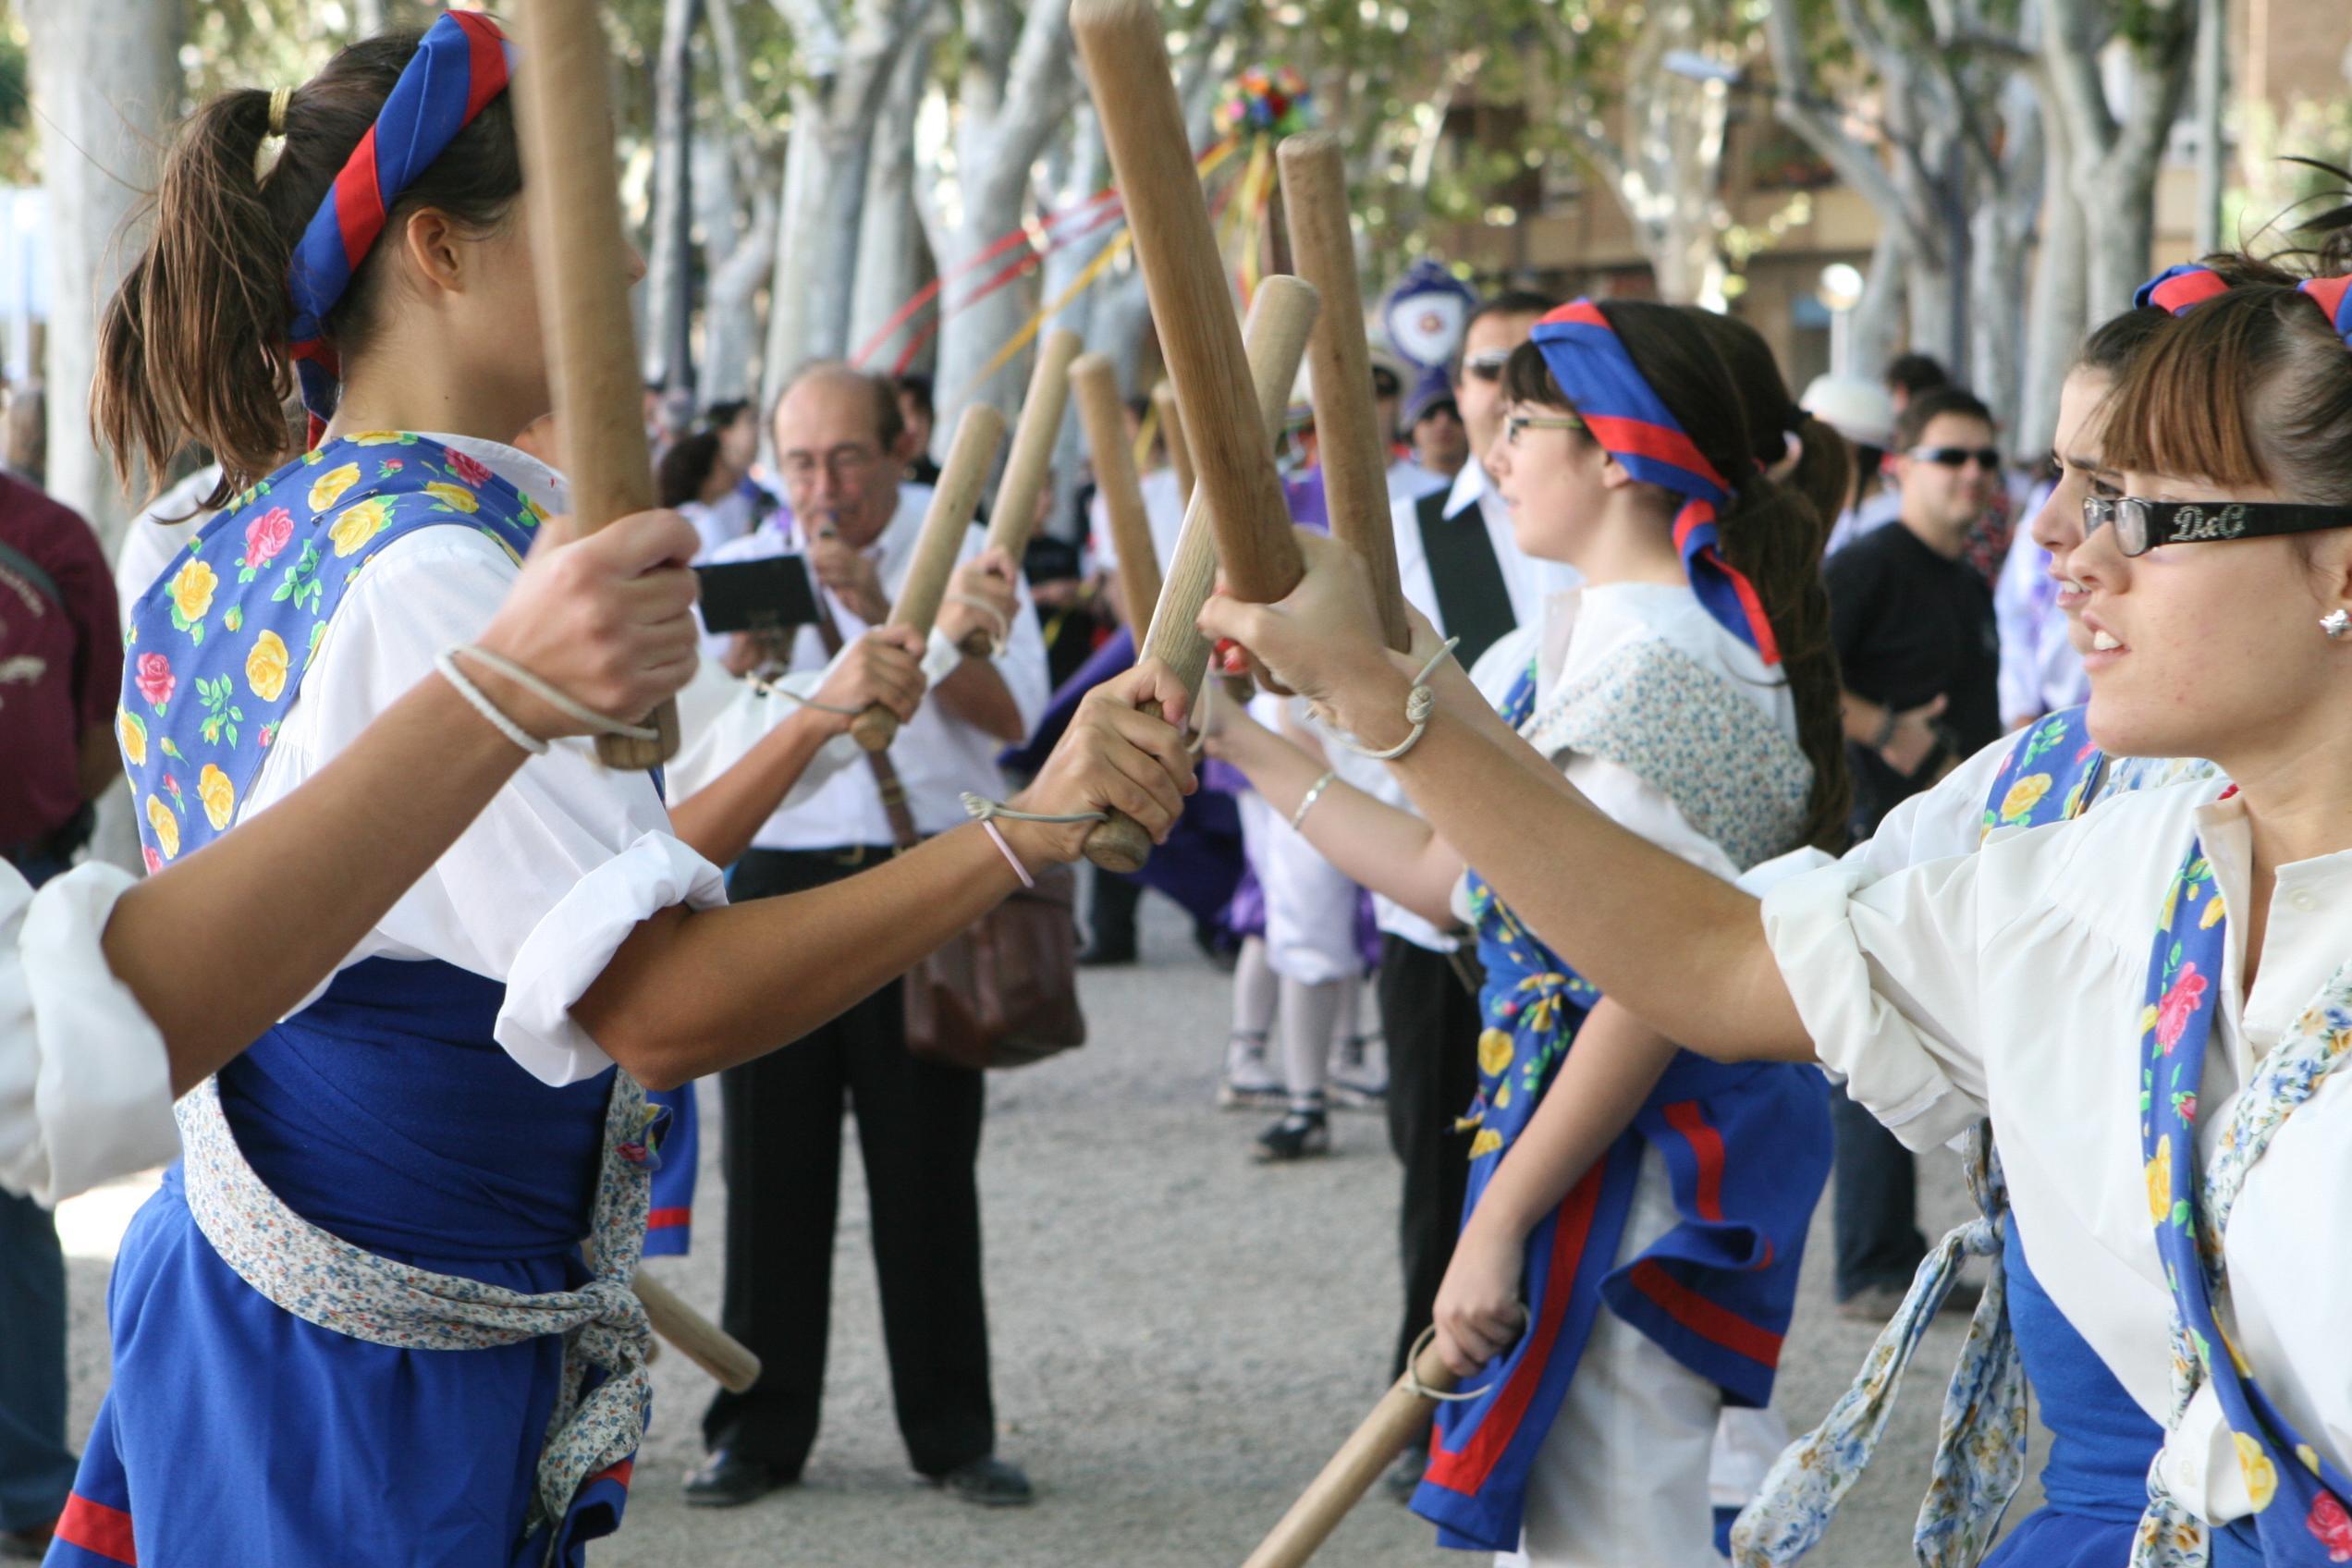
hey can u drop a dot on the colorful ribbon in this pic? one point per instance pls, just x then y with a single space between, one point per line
1631 423
463 63
2181 290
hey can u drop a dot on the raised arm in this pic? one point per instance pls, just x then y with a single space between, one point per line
690 992
1680 948
605 618
1390 851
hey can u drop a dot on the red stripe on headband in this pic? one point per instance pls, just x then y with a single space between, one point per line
2330 293
485 60
2185 291
1641 438
1699 514
359 200
1582 312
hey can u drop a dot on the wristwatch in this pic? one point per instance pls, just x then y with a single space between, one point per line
1885 736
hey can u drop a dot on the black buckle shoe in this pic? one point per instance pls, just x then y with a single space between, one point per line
989 1482
729 1479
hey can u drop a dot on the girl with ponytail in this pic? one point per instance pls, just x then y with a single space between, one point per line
1687 688
358 1323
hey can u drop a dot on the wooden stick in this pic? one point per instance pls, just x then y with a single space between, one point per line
1014 516
1402 1414
698 1339
584 265
1142 128
1347 425
1280 319
1171 433
953 501
1096 382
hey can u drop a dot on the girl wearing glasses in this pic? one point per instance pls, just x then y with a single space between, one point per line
2149 1003
1688 689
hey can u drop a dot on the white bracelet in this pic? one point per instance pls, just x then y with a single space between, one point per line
1419 703
1003 632
1306 802
446 662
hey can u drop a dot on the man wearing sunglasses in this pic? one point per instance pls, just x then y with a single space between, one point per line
1916 644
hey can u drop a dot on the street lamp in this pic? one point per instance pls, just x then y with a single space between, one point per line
1839 292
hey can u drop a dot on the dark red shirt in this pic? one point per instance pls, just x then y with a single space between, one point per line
61 659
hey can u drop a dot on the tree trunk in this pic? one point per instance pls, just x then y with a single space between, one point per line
741 169
893 260
669 282
2054 320
2116 155
2003 233
106 76
1874 330
817 265
1009 109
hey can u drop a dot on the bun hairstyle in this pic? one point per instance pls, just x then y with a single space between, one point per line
193 345
1823 467
1772 533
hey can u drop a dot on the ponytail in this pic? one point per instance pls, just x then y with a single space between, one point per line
192 348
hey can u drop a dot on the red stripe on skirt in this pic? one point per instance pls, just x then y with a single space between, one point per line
1686 1118
1715 1324
94 1527
668 1218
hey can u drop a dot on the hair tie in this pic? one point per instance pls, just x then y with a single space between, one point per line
266 154
461 64
1622 412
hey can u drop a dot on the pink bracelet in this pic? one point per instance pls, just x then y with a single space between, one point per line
1006 849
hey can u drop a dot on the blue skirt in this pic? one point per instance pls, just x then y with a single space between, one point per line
237 1434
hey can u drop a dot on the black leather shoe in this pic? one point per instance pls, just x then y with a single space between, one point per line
729 1479
990 1482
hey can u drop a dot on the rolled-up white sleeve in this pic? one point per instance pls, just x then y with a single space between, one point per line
1884 975
721 717
85 1085
513 878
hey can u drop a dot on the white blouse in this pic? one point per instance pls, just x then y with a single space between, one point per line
1579 632
2011 981
85 1088
564 862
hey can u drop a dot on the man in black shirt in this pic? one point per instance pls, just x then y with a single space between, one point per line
1921 660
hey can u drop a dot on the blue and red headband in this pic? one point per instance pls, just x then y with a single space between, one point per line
2182 288
1634 425
463 63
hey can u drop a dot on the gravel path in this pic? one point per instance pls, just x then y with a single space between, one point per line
1182 1336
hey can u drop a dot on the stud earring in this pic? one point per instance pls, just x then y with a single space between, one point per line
2335 623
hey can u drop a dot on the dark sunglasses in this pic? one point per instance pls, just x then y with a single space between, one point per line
1487 366
2141 525
1985 458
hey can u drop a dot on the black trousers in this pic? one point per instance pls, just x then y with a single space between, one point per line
918 1128
1431 1021
1876 1187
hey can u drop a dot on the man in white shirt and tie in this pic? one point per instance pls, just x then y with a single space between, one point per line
838 445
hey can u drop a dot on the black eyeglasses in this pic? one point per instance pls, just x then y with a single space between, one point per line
1487 366
2141 524
1985 458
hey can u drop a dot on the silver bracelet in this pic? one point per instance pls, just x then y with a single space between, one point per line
1306 802
1419 703
445 661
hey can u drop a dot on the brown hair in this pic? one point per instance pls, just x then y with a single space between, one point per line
1771 533
1925 407
2251 387
192 347
1823 466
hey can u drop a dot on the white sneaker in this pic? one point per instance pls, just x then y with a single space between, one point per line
1359 1073
1249 1081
